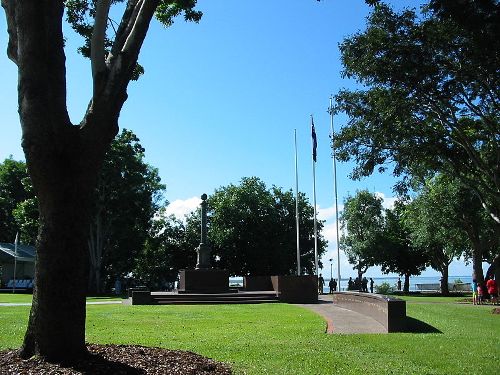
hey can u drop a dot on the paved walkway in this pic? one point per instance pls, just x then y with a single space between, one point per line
343 321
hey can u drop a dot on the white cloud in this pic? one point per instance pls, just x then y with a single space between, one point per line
330 232
328 212
387 202
182 207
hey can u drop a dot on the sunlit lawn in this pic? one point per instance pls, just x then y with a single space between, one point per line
287 339
27 298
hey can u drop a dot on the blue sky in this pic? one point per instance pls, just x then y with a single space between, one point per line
220 100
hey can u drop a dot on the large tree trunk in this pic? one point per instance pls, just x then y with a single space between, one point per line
406 285
64 160
444 280
56 328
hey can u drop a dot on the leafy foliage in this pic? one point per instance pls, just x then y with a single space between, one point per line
166 251
384 288
15 190
434 227
397 253
81 13
128 195
362 223
430 101
252 229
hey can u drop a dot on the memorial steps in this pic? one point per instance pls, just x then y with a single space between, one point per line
169 298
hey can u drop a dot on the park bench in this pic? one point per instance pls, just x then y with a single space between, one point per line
452 287
23 285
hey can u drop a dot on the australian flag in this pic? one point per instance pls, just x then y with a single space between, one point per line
314 142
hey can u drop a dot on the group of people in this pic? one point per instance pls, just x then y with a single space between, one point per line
481 292
321 284
360 284
356 284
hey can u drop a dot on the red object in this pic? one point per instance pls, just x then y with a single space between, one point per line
492 287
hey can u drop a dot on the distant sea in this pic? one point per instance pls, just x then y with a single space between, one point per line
390 280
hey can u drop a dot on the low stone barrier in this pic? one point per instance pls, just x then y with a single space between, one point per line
141 297
388 311
296 289
257 283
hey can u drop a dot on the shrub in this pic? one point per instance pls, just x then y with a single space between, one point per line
384 288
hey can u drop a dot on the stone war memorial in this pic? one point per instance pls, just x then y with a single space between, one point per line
205 284
204 278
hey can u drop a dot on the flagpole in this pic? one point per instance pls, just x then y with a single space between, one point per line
314 145
15 262
336 191
297 204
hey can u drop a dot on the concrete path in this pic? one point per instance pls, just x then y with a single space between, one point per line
343 321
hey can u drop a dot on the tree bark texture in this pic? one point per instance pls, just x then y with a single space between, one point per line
444 280
406 284
63 161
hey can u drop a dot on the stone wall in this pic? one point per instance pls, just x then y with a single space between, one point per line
390 312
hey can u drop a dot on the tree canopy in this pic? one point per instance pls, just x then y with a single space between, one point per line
252 229
128 195
430 97
15 191
397 253
362 225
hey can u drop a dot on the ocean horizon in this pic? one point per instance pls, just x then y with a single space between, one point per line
391 280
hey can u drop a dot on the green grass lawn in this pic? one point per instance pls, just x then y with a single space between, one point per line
434 299
27 298
287 339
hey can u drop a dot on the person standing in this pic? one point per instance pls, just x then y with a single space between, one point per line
479 294
330 285
371 285
492 287
399 283
364 285
474 292
334 285
321 284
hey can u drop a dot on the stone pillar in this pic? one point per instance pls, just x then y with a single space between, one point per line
203 251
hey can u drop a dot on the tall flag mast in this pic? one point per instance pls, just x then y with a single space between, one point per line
297 204
16 241
314 146
334 157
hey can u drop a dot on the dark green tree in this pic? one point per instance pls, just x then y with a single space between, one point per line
14 190
431 218
128 194
397 253
362 225
430 95
64 159
166 251
252 230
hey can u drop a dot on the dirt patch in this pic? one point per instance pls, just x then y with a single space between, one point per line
118 359
496 310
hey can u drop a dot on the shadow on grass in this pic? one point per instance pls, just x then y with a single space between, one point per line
417 326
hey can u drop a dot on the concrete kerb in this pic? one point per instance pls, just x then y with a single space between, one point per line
343 321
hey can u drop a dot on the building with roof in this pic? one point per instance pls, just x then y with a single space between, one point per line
24 261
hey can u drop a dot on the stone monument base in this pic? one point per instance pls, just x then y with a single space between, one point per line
203 281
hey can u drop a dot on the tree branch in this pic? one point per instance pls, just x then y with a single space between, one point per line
126 23
10 14
97 42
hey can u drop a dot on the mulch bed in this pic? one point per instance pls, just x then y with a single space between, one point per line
117 360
